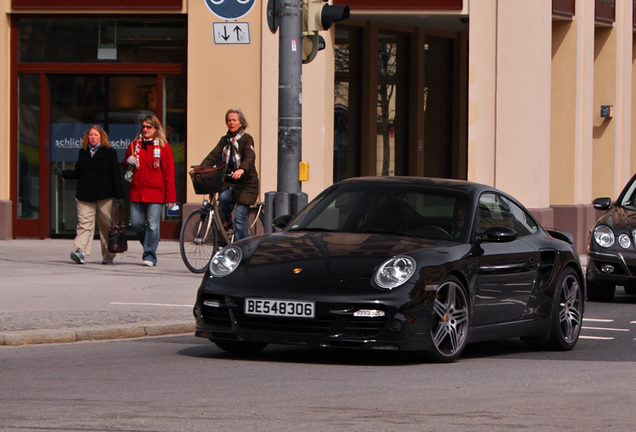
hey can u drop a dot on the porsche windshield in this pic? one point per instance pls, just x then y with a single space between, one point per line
433 213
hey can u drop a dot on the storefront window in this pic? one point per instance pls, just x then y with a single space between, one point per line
346 145
175 127
116 103
91 40
28 146
438 107
390 105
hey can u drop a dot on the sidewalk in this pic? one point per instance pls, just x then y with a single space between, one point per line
47 298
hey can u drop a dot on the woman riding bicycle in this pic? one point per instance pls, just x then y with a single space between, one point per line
240 183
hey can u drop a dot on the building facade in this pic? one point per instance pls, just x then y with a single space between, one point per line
533 97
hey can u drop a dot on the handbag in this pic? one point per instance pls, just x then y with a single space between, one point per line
207 180
117 240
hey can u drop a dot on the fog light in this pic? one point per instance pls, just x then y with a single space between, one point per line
607 268
396 325
369 313
211 303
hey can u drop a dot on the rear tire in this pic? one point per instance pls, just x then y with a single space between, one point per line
255 221
240 347
197 246
600 291
567 312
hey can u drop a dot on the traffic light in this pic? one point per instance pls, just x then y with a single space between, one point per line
318 16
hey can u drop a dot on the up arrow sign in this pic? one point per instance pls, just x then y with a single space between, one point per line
231 33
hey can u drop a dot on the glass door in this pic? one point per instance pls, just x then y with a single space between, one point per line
117 103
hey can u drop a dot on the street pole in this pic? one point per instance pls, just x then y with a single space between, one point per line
288 16
289 97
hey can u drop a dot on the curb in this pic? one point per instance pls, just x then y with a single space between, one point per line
125 331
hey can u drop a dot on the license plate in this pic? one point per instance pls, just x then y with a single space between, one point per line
272 307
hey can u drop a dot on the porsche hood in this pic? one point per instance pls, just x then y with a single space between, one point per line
327 256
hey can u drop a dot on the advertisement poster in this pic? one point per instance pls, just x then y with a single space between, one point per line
66 139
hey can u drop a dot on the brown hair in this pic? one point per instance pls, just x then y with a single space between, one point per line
103 140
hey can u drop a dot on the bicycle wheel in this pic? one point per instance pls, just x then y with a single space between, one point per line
198 241
255 221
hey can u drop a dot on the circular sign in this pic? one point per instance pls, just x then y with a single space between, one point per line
230 9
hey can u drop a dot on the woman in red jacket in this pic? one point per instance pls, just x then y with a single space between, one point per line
150 159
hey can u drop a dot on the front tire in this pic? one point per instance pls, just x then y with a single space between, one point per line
630 288
451 321
600 291
240 347
198 240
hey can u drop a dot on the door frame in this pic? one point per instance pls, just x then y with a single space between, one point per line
40 228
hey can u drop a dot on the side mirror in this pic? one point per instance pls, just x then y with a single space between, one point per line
602 203
498 235
281 222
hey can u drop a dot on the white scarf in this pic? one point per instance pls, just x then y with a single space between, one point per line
227 150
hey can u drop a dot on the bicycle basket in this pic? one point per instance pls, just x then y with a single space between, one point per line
207 180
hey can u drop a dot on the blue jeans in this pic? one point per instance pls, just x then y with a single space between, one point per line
226 201
146 221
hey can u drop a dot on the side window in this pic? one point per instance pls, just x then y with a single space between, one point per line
495 210
521 221
487 207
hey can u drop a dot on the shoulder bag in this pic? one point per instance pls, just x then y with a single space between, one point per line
117 240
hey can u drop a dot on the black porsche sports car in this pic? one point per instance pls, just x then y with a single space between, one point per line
611 246
396 263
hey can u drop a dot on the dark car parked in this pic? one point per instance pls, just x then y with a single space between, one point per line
396 263
611 246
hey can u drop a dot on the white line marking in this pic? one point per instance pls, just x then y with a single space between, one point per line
150 304
632 322
598 320
605 328
596 337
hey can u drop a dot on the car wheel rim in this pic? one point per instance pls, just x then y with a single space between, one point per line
570 308
451 319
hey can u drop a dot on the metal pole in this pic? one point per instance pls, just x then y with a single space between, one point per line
289 97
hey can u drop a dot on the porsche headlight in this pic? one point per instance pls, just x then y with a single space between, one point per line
226 261
624 241
604 236
395 271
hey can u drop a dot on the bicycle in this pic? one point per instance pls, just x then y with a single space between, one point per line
202 232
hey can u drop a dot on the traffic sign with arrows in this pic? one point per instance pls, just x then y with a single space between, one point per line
231 33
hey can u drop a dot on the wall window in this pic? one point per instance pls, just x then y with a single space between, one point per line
438 107
92 40
391 107
346 143
28 146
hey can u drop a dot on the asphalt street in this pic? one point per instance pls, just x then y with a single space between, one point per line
48 298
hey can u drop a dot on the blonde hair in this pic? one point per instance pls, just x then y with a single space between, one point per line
103 137
159 133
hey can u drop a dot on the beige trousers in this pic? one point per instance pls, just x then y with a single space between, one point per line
87 213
